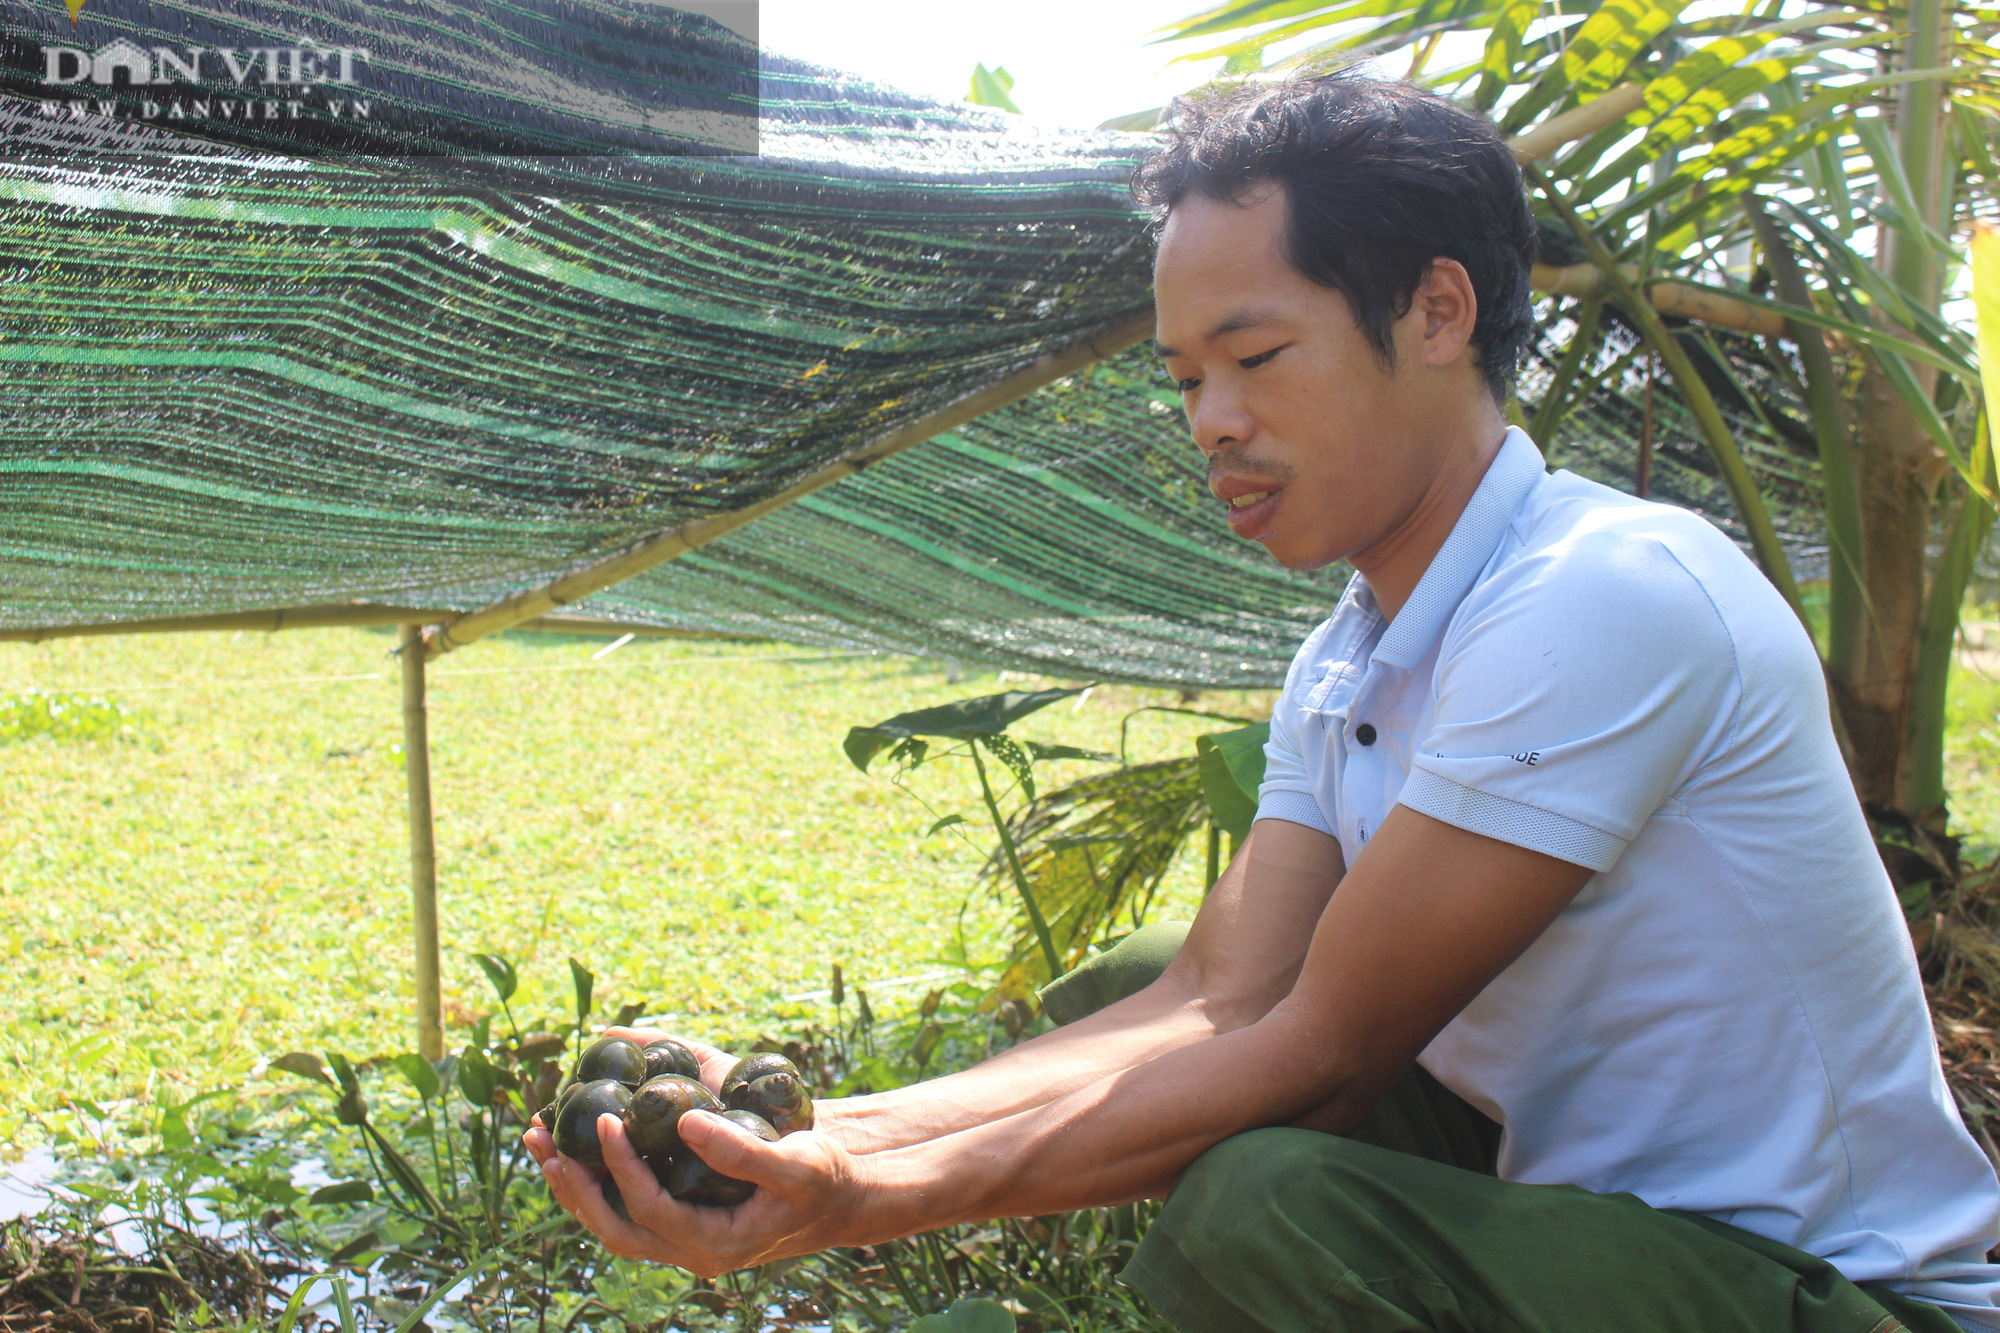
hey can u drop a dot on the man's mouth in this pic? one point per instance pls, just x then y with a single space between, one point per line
1251 513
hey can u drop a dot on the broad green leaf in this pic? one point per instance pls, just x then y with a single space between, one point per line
1232 768
973 1315
1602 48
346 1191
477 1079
500 972
419 1072
355 1248
271 1189
987 715
303 1063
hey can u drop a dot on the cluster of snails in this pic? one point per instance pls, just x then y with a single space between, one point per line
650 1087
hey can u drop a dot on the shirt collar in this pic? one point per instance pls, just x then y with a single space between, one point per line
1508 481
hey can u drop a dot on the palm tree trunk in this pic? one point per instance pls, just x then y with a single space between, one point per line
1899 469
1898 465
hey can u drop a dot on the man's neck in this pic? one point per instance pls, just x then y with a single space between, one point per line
1394 564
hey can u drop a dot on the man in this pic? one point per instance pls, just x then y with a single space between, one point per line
1552 809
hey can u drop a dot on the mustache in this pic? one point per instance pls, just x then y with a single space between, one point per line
1250 465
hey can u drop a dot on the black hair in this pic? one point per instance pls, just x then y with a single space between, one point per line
1380 178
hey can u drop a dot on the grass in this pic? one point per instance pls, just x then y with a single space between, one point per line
1972 739
206 867
221 876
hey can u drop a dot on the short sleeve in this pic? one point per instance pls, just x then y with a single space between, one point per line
1287 790
1576 692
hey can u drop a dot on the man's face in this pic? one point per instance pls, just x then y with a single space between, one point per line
1318 450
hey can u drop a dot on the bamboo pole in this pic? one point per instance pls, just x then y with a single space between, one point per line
423 846
1577 123
323 616
345 615
675 542
1589 282
586 625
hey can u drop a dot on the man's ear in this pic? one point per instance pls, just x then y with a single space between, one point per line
1447 308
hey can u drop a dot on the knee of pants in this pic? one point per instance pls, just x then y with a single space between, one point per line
1223 1209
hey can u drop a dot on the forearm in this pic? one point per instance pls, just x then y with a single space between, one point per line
1160 1019
1127 1136
1240 959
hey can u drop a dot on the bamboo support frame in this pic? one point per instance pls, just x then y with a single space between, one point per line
324 616
1577 123
346 615
673 543
1588 282
423 846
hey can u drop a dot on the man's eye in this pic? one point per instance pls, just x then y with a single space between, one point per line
1252 362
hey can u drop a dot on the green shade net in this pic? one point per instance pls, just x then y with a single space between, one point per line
241 380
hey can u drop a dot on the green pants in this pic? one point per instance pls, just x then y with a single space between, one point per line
1403 1227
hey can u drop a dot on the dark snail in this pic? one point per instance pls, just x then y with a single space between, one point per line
650 1088
692 1180
576 1118
652 1121
664 1055
612 1057
756 1066
779 1097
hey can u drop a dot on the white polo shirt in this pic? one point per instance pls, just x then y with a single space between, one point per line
1728 1019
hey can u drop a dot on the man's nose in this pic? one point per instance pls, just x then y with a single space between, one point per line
1219 424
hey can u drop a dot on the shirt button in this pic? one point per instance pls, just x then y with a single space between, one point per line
1365 733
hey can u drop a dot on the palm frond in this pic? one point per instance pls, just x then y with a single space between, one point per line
1094 853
